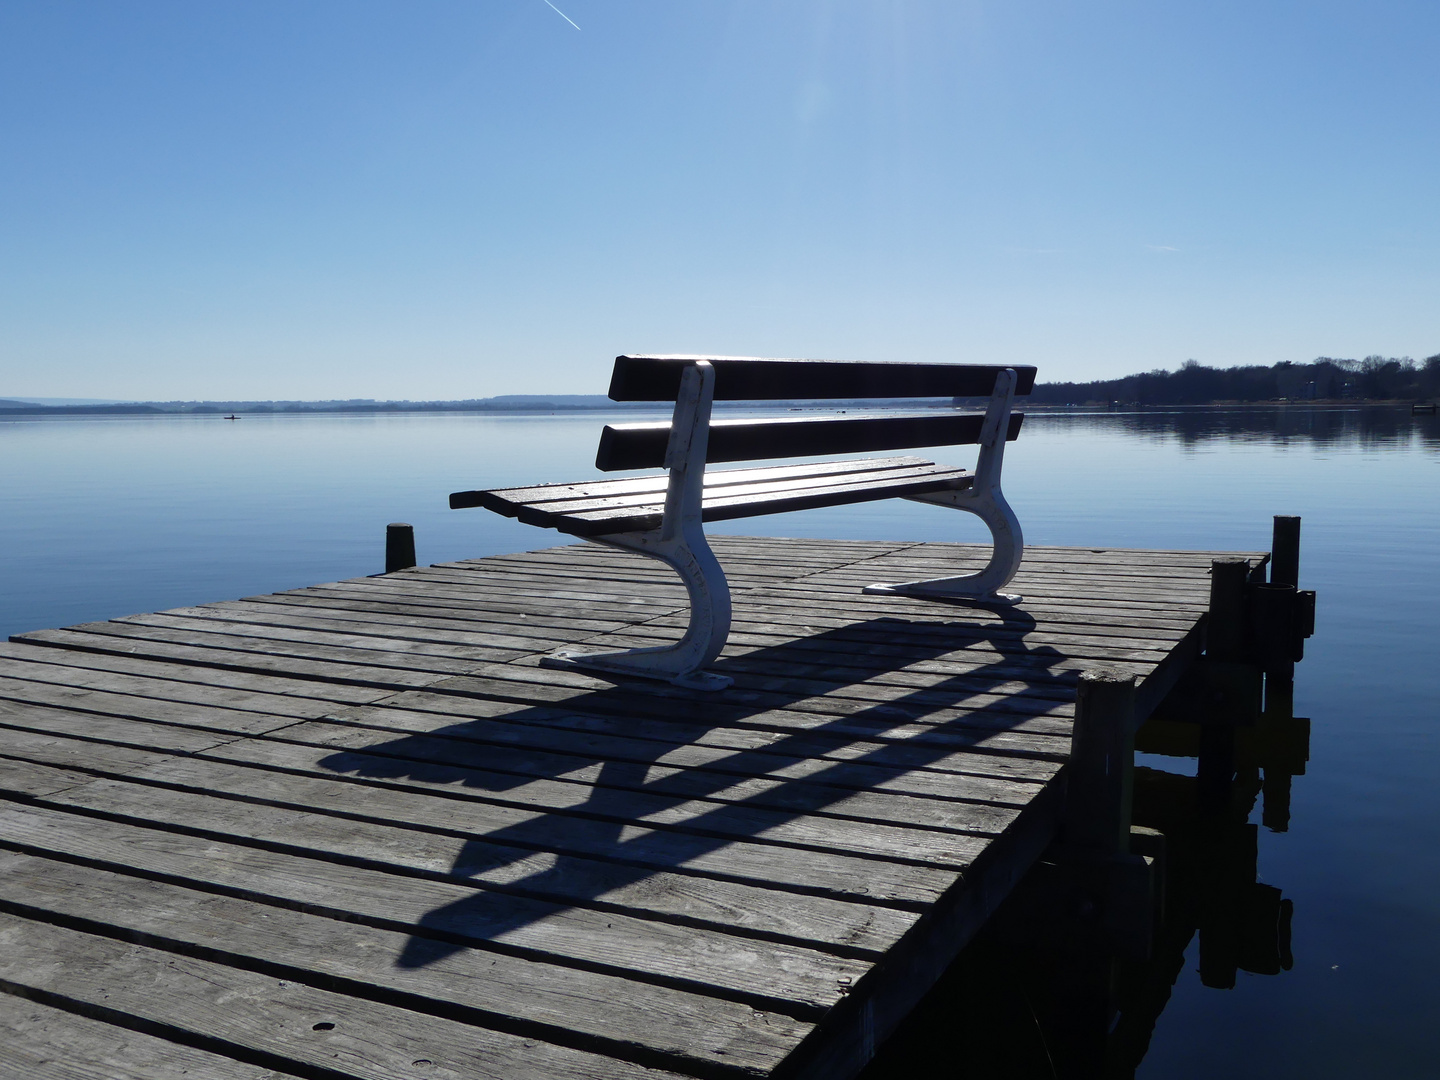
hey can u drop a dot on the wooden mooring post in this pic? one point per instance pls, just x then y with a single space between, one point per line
399 546
1255 633
1225 666
1090 900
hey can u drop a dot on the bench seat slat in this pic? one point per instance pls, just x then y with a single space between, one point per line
751 489
535 494
645 490
596 509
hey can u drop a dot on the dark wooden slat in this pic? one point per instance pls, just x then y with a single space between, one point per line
359 644
744 378
642 446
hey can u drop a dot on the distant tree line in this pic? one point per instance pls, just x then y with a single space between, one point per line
1375 378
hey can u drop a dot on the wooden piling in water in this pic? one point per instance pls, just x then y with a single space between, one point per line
1102 757
1225 641
399 546
1285 551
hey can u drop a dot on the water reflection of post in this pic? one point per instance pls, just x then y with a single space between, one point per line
1233 712
1211 875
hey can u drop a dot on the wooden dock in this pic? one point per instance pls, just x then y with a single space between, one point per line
355 830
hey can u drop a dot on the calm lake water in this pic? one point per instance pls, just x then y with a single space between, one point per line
110 516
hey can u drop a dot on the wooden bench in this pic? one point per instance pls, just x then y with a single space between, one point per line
663 516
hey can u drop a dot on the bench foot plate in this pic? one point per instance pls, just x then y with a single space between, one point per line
615 663
923 590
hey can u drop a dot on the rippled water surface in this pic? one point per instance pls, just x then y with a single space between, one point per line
110 516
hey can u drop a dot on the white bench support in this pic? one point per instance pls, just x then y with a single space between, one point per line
680 542
985 500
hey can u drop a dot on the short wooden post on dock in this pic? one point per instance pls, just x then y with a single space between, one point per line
1285 551
1095 836
399 546
1225 643
1225 625
1279 615
1102 756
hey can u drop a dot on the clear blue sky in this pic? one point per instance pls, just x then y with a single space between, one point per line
444 199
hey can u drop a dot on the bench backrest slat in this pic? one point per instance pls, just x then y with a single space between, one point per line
745 378
642 446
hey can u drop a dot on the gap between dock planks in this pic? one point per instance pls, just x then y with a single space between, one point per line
355 830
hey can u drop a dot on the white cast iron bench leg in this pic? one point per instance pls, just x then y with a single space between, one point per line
680 542
985 500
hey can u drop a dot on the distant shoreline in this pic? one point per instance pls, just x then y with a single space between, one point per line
1323 383
219 410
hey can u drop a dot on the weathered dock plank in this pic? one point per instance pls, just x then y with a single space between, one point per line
355 830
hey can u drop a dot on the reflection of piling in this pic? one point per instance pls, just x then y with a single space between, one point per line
1106 974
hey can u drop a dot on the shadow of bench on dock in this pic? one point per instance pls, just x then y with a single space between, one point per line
636 815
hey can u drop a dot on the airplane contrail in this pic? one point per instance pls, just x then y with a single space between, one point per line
567 18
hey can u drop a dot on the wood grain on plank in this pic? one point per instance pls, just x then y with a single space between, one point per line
565 1004
276 774
41 1042
326 848
786 975
193 1001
